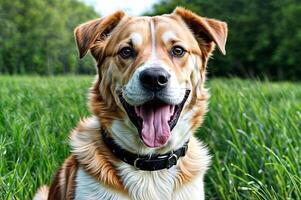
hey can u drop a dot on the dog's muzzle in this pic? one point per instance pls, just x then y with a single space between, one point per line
154 120
160 107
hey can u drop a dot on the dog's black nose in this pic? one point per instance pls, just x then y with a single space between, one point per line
154 78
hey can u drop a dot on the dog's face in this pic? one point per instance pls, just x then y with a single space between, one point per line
151 72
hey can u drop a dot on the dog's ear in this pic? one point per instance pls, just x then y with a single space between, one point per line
204 29
86 34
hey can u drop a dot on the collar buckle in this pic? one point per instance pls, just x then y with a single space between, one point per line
138 159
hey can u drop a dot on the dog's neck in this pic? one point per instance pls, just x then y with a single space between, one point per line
144 162
90 151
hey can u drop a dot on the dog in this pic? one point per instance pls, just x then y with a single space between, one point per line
147 100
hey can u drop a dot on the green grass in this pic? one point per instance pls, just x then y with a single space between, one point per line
253 130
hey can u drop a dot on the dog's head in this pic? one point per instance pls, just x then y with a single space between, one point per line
151 74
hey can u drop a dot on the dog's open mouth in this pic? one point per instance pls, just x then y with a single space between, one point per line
154 120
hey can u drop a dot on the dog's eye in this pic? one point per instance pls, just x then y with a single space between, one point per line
178 51
127 52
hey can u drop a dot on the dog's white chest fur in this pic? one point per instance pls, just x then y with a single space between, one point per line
141 185
146 184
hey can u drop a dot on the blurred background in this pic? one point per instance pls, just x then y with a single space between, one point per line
252 129
36 36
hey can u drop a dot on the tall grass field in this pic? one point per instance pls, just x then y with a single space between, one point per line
253 131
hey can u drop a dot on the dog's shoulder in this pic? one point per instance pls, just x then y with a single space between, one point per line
63 184
94 157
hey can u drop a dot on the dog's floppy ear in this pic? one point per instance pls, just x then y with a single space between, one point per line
86 34
204 28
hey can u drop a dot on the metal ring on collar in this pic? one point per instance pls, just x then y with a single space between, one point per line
135 163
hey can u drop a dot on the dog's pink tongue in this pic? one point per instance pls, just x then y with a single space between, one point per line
155 129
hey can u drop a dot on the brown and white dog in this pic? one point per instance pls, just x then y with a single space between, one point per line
147 66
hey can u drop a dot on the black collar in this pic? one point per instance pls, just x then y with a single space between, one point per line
145 162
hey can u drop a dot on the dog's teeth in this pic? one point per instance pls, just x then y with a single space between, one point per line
172 109
137 110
